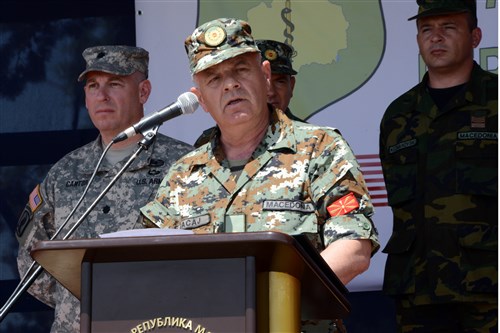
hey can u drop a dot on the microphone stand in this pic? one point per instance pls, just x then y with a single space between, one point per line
35 269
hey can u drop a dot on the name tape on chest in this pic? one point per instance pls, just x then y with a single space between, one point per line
195 222
477 136
298 206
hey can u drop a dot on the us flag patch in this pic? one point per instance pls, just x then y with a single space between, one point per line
35 199
344 205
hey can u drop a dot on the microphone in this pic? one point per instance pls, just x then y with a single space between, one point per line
187 103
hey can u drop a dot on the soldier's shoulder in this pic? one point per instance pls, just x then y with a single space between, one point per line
168 141
75 156
403 102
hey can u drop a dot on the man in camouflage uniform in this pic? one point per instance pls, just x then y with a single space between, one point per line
282 81
262 171
116 89
438 147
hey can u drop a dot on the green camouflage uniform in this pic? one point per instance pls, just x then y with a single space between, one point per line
52 201
440 170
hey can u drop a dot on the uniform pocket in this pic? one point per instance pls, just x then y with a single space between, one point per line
399 269
477 167
400 175
479 257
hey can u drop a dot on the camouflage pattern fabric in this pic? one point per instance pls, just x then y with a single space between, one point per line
51 202
208 134
470 317
115 59
440 169
216 41
296 172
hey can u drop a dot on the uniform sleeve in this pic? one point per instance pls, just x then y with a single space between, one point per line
342 198
155 214
36 224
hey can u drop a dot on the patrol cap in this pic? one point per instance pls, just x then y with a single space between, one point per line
216 41
115 59
278 54
441 7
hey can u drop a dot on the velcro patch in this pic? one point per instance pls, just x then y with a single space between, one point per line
23 221
344 205
35 199
195 222
300 206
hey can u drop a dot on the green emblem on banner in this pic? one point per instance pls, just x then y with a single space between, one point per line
338 44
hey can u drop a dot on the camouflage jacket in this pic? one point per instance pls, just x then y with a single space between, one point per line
207 134
51 202
296 172
440 169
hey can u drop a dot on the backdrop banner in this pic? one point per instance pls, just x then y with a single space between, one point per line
353 58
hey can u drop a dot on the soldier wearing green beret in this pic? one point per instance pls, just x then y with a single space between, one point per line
439 153
282 81
259 161
116 88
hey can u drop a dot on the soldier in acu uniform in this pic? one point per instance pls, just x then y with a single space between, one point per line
262 171
116 88
439 153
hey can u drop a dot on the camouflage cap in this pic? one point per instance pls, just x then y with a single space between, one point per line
278 54
441 7
115 59
216 41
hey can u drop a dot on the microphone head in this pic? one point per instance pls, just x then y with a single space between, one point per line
188 102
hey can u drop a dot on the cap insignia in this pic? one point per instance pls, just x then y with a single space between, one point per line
214 36
271 55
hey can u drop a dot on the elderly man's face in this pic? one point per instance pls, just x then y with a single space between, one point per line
234 92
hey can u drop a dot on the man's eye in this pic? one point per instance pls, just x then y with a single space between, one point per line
213 80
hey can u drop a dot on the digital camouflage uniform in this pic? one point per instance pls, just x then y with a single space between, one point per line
293 176
52 200
300 179
440 169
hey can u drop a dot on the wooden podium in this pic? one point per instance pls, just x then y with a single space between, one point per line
231 282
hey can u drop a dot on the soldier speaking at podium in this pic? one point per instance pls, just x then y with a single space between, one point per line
262 171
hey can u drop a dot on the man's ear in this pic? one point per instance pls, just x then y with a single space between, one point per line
197 92
144 91
477 35
266 69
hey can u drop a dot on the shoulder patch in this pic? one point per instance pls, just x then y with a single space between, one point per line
344 205
23 221
35 199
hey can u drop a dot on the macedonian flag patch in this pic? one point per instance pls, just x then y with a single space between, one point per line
344 205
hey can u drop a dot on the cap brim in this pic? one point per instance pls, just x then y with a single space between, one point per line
221 56
286 71
103 69
439 11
